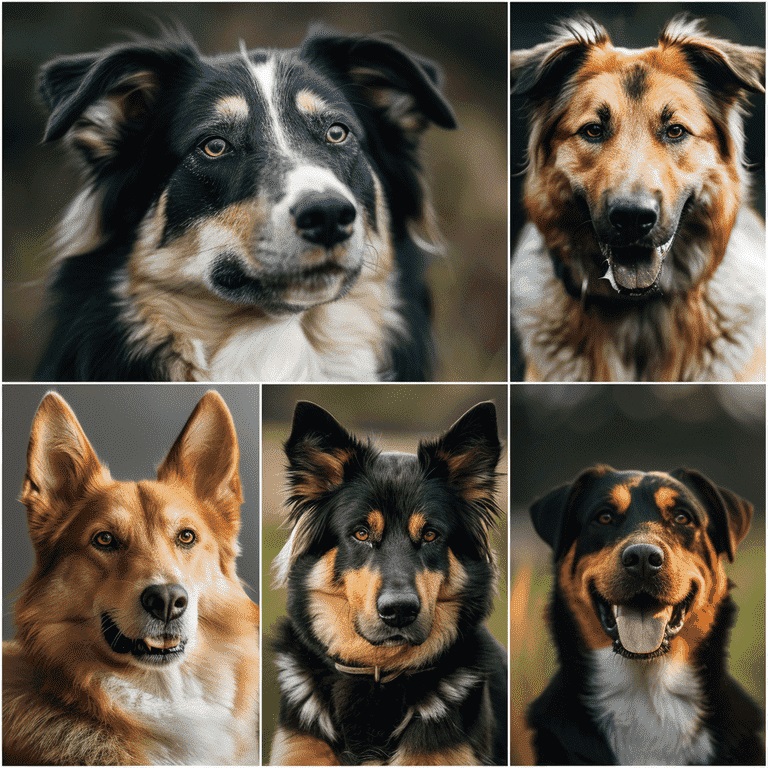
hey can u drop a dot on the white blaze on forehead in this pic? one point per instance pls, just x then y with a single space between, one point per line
233 107
314 178
307 101
265 76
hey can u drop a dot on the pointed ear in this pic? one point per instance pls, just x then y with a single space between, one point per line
466 457
206 457
104 101
729 515
61 466
554 516
321 456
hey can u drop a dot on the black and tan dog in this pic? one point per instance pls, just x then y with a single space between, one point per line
384 658
641 615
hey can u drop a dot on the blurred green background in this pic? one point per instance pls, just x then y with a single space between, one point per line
396 416
557 430
467 167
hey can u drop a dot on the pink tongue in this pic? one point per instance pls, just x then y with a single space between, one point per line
641 630
636 268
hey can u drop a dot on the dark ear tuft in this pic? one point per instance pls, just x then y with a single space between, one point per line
730 515
466 457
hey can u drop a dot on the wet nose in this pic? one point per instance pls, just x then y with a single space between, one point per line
398 608
633 219
324 218
642 560
165 601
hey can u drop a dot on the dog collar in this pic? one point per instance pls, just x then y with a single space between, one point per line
376 672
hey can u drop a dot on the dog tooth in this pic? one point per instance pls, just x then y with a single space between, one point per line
610 278
162 643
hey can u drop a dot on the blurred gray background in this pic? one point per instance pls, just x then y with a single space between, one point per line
131 428
556 430
467 167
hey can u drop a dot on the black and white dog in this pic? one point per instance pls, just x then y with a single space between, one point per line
253 216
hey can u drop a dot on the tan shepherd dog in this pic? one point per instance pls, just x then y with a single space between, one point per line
641 261
137 643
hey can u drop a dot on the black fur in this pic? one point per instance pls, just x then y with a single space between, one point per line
327 506
162 91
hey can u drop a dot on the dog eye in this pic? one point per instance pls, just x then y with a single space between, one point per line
675 132
104 540
337 134
361 534
215 147
683 518
593 131
605 517
186 537
429 535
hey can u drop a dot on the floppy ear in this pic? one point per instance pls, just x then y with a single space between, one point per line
729 69
538 73
104 101
465 457
553 515
61 466
321 456
730 516
206 457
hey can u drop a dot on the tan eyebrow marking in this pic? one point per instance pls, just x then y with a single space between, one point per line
416 523
233 107
665 498
307 101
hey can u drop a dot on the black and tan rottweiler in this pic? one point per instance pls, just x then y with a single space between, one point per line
641 615
384 658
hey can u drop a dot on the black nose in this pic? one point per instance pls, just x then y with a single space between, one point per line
324 218
398 609
642 560
632 220
165 601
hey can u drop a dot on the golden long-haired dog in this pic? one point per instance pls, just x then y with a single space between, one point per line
641 260
136 643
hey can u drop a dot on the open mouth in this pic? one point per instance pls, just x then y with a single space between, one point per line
642 627
634 270
159 647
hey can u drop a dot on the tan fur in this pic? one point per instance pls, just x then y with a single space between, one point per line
62 685
416 523
309 102
291 748
233 107
461 754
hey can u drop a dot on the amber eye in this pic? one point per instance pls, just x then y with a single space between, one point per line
362 534
593 131
186 537
215 146
429 535
683 518
675 132
605 518
337 134
104 540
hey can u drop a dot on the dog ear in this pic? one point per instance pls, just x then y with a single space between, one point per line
206 457
730 69
103 101
729 515
322 455
61 464
465 457
538 73
553 515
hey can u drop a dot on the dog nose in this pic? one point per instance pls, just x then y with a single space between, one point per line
324 218
642 560
165 601
398 609
632 220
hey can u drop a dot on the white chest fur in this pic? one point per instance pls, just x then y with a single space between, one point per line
649 711
192 722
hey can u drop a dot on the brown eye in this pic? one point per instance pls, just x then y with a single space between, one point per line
605 518
683 518
186 537
104 540
429 535
362 534
215 147
593 131
675 132
337 134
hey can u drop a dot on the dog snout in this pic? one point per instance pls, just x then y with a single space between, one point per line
642 560
632 219
324 218
398 608
165 601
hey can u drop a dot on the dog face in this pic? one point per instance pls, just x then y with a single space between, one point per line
632 151
638 556
389 552
127 573
260 179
